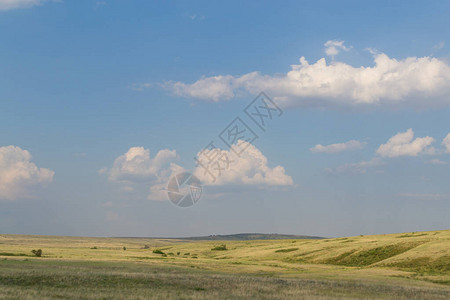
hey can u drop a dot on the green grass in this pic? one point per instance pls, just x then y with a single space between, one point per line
426 265
368 257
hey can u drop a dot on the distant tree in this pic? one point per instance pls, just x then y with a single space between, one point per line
37 252
124 248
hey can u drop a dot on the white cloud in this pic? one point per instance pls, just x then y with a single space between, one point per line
410 82
402 144
15 4
251 168
136 169
137 164
332 48
446 143
334 148
356 168
214 88
18 175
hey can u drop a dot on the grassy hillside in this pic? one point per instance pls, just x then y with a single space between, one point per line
386 266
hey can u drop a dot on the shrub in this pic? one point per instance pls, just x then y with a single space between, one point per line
146 247
187 253
95 247
124 248
178 253
220 247
157 251
287 250
12 254
37 252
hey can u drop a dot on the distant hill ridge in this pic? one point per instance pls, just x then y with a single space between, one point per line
250 236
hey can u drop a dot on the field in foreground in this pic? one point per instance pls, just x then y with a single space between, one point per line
394 266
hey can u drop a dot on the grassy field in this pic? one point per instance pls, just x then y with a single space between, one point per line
394 266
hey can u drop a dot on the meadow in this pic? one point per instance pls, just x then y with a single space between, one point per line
413 265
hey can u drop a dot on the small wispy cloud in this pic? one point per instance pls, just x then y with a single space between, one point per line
355 168
194 16
334 47
339 147
437 161
424 196
140 86
18 4
100 3
80 154
446 143
112 216
439 46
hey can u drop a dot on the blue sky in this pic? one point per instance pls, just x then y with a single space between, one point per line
92 91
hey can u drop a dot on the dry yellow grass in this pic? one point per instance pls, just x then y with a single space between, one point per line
420 259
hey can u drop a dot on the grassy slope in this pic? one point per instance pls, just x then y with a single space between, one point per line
403 261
